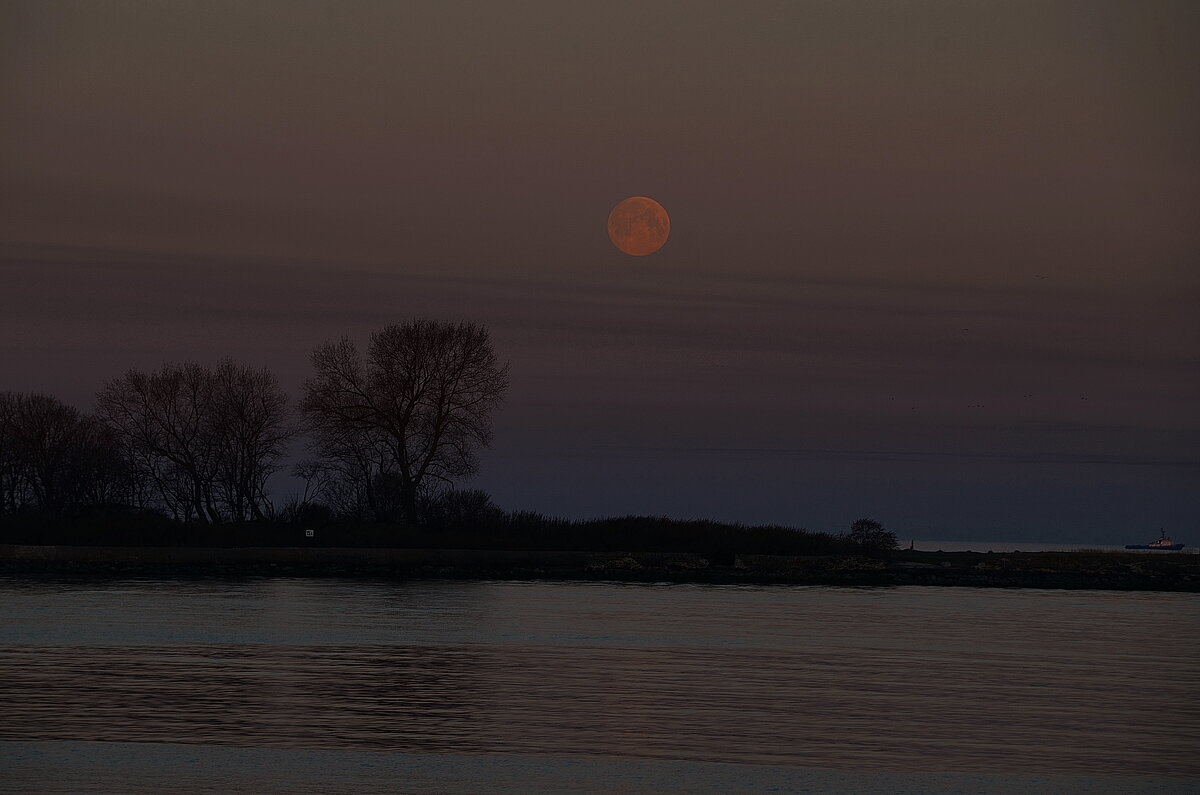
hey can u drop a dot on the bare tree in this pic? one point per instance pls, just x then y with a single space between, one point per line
162 418
249 411
206 439
101 471
871 536
54 457
409 417
46 433
13 488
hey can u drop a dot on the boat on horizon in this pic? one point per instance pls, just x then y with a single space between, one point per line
1163 542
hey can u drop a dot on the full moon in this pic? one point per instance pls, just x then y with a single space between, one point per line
639 226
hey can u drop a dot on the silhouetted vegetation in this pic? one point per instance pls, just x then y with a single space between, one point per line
56 460
871 537
468 520
391 434
181 456
199 442
394 428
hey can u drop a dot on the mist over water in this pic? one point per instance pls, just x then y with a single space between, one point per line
771 681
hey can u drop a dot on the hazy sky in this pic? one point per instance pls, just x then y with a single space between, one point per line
932 262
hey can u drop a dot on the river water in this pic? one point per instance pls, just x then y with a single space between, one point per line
447 686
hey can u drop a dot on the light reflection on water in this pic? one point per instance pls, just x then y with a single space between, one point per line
902 679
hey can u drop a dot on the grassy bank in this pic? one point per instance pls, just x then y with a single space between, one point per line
515 531
1095 570
523 545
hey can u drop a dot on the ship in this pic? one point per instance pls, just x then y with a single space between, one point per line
1163 542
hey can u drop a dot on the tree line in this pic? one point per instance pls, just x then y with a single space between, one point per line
387 431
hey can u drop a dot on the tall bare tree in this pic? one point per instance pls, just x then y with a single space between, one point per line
250 413
163 419
101 472
53 457
13 489
206 438
47 431
408 417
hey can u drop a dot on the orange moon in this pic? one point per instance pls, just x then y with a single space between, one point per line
639 226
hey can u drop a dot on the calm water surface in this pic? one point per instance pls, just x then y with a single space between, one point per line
311 685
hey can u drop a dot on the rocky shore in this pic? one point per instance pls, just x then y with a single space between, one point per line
1091 570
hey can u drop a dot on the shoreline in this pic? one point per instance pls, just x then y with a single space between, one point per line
1066 570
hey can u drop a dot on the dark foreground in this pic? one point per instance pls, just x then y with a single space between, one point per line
1090 570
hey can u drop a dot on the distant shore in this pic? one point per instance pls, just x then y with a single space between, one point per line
1060 570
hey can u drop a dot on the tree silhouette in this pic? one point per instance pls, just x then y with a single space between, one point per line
54 457
871 536
12 464
250 412
406 419
204 439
